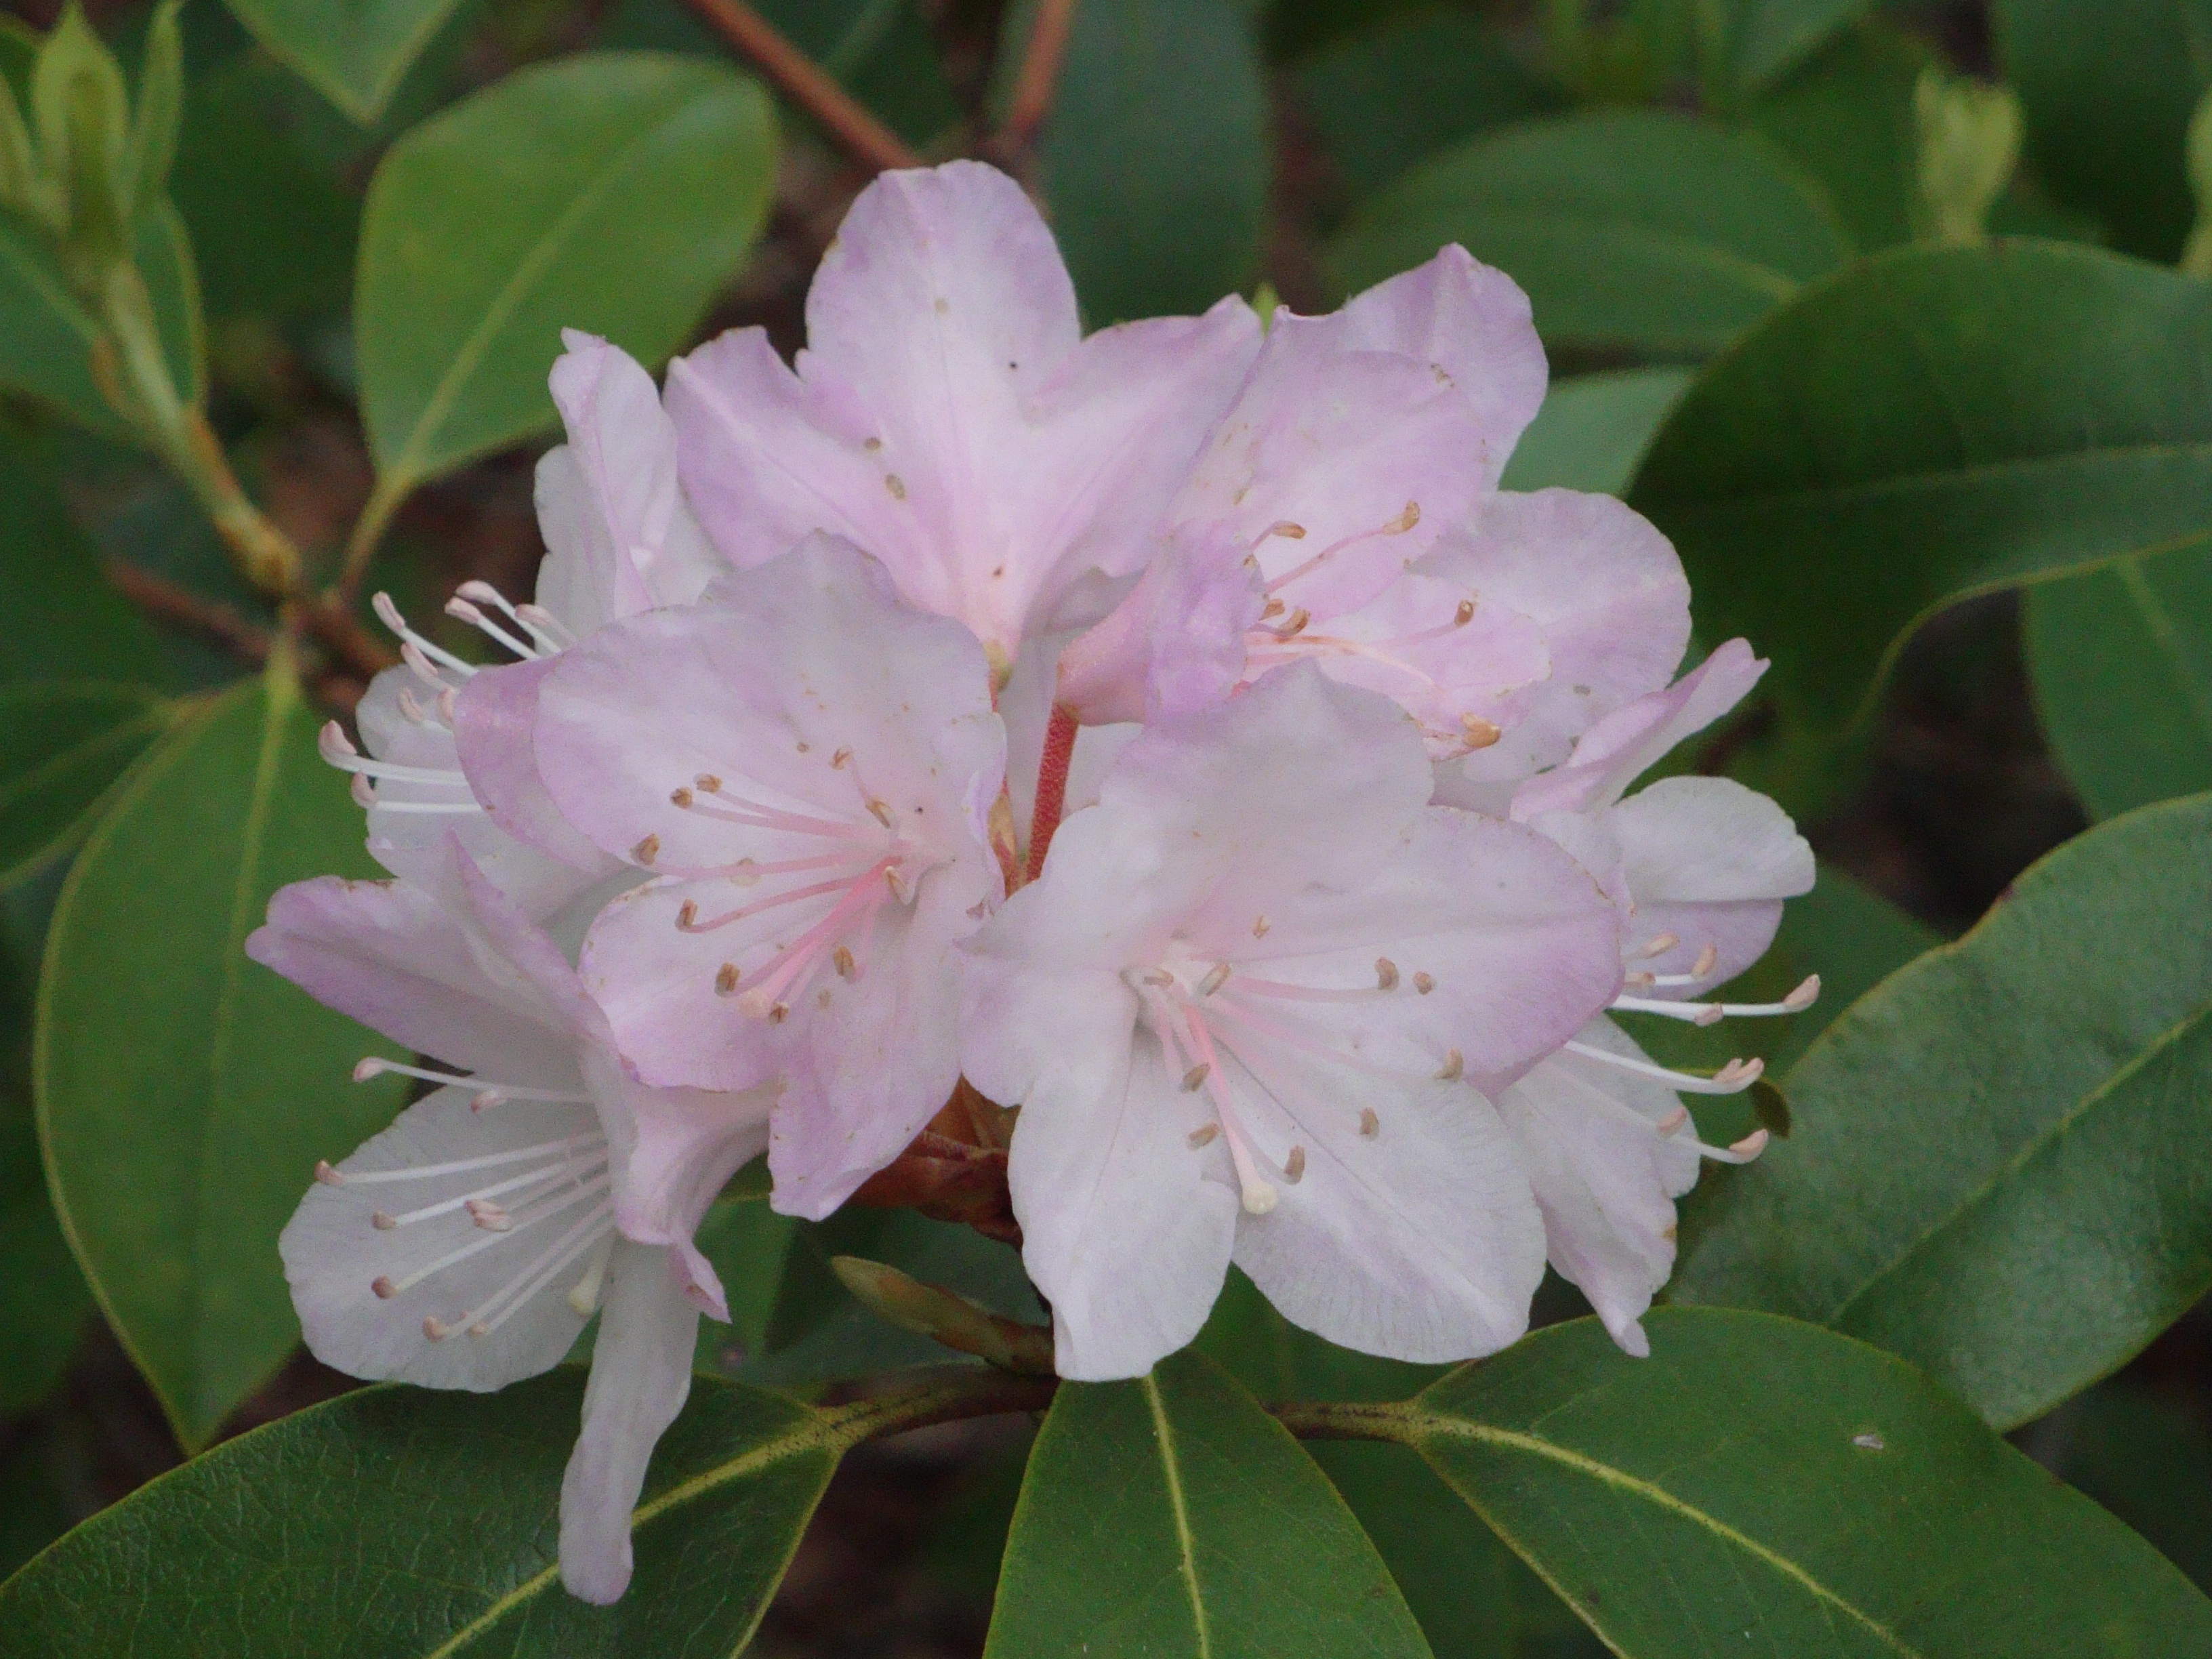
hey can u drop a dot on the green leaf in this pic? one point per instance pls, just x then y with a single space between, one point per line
611 192
400 1524
1846 117
2107 87
2002 1161
1592 430
1933 424
1154 164
46 333
185 1093
63 746
64 622
1171 1517
1383 100
1629 229
1761 40
355 52
1765 1486
2143 1457
2121 661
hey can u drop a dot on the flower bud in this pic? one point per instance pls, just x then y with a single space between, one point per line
83 119
944 1316
1968 141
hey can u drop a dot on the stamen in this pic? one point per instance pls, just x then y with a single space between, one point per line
1204 1135
1732 1079
1658 944
545 1150
1276 988
337 749
1196 1078
1386 974
565 1200
1259 925
687 914
1707 960
1454 1068
1695 1014
388 614
1294 1166
1478 732
461 611
1424 983
376 1065
543 627
1369 1125
1397 527
1216 977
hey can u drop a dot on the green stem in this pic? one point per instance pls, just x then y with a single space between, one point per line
367 535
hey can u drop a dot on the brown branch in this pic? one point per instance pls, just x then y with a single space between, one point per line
1036 81
802 81
175 602
337 629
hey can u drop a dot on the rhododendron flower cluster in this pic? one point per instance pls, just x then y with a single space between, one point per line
1173 731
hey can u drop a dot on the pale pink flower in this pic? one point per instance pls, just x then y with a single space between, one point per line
449 742
804 764
1247 1012
1699 868
468 1245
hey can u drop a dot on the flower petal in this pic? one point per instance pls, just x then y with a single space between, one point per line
641 1376
1473 323
402 962
1418 1240
1176 643
1711 861
333 1253
495 715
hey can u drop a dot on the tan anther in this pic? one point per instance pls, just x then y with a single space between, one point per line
881 812
821 998
842 960
708 782
872 445
1294 1166
1478 732
686 913
385 1289
1259 925
896 485
1272 609
1464 615
1707 960
327 1173
1216 977
1454 1068
436 1328
1424 983
1386 974
646 850
679 797
1287 530
1369 1125
1157 977
1294 625
746 872
1205 1136
778 1012
1196 1078
837 761
1404 521
726 978
383 1222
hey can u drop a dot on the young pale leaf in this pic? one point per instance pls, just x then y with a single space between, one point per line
1935 422
62 748
1170 1516
185 1093
613 192
2002 1167
1765 1486
161 104
46 333
355 52
1154 163
2108 87
2121 661
398 1523
1635 228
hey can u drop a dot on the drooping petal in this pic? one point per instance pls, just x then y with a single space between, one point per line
1411 1231
1603 589
337 1255
1472 322
1710 861
1605 1177
400 960
495 715
618 537
641 1376
1617 750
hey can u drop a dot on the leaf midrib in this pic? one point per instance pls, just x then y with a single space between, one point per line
1179 1510
436 409
2180 1031
1424 1423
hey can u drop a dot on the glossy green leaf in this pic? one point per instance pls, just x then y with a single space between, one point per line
62 745
2122 660
401 1523
613 192
1766 1487
1759 40
355 52
1592 430
1846 117
2107 87
1634 228
2001 1166
46 333
1154 164
1933 423
1384 99
185 1093
1170 1516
